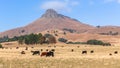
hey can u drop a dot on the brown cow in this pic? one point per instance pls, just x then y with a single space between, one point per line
72 50
47 54
43 54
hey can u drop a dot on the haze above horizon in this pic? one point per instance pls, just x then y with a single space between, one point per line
18 13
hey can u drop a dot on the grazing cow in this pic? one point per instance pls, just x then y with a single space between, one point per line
22 52
35 52
84 52
50 53
53 50
26 48
116 52
72 50
41 50
46 49
110 54
17 47
91 51
47 54
43 54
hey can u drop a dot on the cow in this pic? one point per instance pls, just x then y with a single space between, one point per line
91 51
43 54
110 54
17 47
47 54
35 52
41 50
72 50
50 53
26 48
116 52
84 52
47 50
53 50
22 52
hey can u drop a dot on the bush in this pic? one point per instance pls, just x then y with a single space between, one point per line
62 40
95 42
1 46
76 42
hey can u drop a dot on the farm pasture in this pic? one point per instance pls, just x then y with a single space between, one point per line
63 57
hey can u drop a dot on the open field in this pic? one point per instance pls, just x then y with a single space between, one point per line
64 58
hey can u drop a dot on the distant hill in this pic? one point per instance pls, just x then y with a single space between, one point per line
51 20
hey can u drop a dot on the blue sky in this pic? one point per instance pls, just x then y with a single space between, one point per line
17 13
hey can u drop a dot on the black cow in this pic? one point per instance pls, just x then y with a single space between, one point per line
53 50
35 52
116 52
84 52
50 53
91 51
22 52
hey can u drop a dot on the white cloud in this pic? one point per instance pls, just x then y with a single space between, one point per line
107 1
65 5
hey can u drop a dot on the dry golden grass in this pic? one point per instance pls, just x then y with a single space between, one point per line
64 58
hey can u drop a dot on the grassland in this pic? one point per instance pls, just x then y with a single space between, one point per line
64 58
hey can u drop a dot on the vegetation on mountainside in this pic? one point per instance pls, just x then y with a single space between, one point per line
31 39
91 42
49 39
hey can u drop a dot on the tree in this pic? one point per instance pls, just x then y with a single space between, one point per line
62 40
95 42
1 46
42 40
50 38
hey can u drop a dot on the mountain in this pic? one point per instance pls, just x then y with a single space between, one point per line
50 20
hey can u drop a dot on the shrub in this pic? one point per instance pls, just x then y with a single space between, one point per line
76 42
62 40
1 46
95 42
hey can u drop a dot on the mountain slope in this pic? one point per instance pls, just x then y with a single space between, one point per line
51 20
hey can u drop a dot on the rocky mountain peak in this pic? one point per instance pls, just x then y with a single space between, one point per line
51 13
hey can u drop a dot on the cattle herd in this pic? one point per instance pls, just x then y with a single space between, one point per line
51 52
